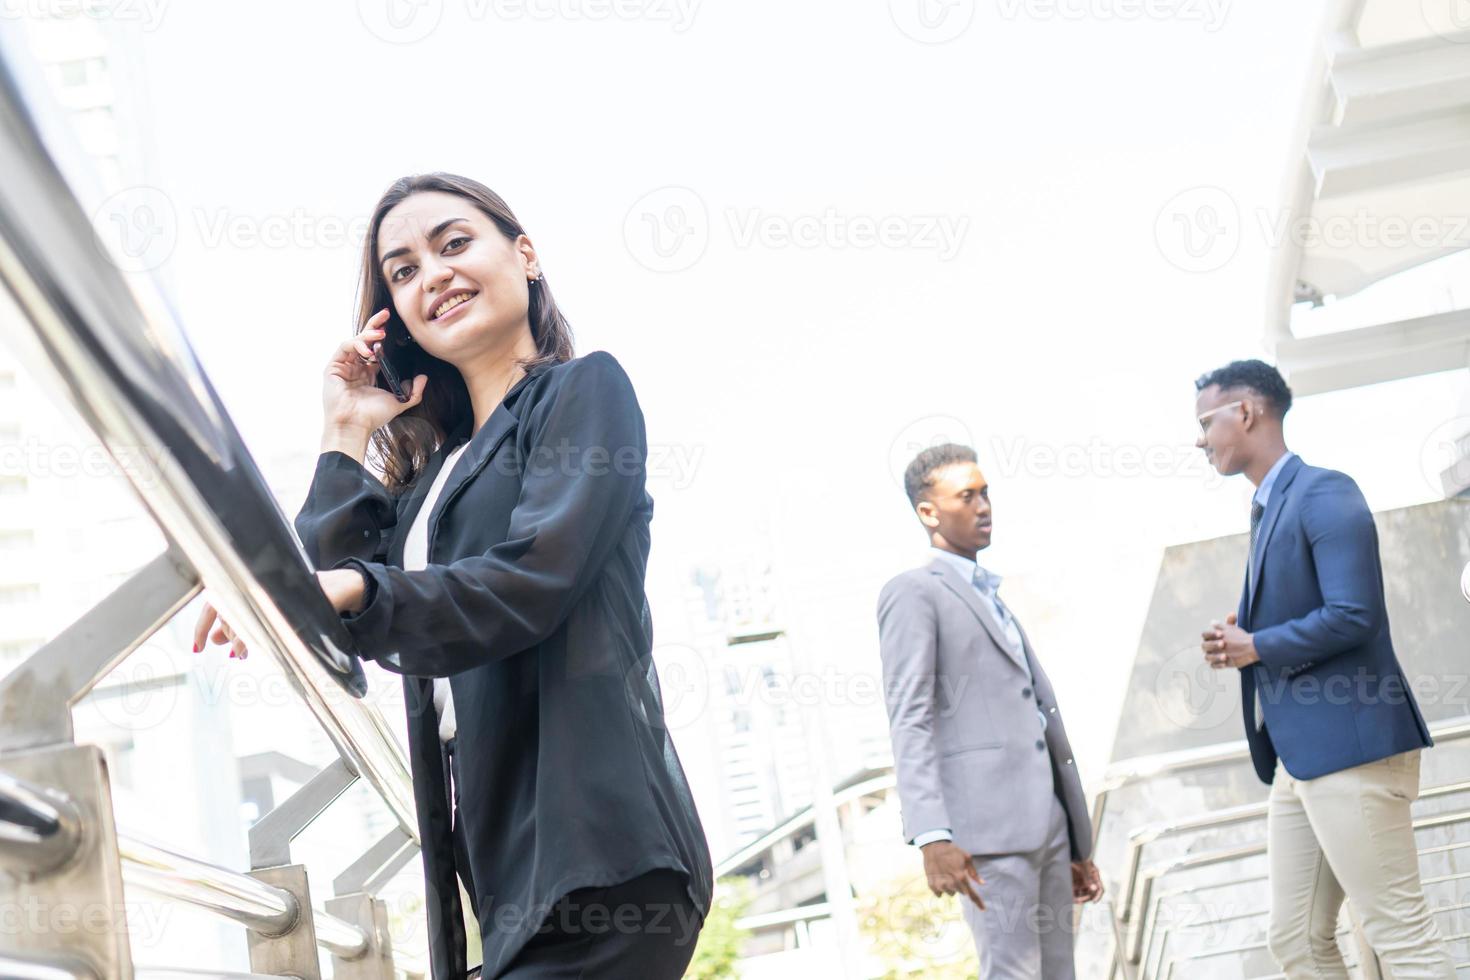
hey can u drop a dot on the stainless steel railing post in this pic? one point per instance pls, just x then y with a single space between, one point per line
62 886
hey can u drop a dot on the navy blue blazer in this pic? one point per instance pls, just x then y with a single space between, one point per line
1331 688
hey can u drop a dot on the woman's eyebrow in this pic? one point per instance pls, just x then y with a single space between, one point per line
434 233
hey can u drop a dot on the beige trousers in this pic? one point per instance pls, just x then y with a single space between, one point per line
1348 834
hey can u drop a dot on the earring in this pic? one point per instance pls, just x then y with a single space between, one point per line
540 276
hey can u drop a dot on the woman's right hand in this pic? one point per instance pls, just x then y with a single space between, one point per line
350 399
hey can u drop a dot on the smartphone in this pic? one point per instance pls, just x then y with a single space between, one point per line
390 374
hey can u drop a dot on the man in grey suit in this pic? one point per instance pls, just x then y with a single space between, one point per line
986 779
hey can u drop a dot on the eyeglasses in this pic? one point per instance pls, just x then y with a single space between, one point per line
1204 420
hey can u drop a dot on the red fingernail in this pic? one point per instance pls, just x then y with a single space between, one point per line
232 653
196 648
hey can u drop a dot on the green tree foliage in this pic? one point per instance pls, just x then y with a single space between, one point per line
912 933
720 941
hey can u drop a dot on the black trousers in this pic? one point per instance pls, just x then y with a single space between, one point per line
645 928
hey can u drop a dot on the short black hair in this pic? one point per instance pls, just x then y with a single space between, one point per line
918 476
1258 376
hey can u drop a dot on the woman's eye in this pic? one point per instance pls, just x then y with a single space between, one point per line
398 272
455 241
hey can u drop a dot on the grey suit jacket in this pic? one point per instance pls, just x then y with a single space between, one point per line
968 749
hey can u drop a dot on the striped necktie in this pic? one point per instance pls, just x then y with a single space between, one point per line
1250 564
1256 513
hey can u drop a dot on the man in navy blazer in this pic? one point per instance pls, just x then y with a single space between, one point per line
1332 724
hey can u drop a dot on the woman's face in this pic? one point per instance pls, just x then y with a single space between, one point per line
458 284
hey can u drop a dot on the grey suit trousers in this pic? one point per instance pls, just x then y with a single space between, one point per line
1026 931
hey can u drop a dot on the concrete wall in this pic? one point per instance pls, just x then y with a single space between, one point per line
1175 701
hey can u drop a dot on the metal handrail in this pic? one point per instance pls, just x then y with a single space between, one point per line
1219 857
39 828
1436 910
1130 771
1149 915
16 968
1142 940
1153 832
1140 768
110 344
260 907
146 973
1209 821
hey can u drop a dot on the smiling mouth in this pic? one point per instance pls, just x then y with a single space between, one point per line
451 304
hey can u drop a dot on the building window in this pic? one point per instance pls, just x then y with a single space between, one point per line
15 595
17 540
16 649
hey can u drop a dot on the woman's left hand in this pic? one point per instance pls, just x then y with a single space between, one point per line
345 589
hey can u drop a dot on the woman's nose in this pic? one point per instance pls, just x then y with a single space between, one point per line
436 276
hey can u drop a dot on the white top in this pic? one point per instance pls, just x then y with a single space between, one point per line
415 557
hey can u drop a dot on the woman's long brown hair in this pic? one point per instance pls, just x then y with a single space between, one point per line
404 445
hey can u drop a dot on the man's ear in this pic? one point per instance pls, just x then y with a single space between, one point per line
928 513
1249 412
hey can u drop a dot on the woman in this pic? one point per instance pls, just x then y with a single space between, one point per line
498 565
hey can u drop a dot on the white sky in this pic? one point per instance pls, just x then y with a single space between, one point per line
796 377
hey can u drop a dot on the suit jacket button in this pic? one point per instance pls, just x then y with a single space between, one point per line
1040 744
1025 692
1052 709
1069 762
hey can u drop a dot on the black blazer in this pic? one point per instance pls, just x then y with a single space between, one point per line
532 603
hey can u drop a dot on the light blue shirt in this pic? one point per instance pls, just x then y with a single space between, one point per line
1263 492
1263 497
987 586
